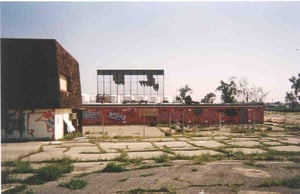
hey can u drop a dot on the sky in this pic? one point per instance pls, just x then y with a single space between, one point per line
196 43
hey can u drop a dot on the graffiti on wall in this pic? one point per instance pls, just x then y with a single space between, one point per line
35 119
16 122
90 114
34 124
116 116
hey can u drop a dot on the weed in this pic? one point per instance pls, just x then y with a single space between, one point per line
162 158
49 173
293 182
22 167
233 187
9 163
123 157
5 177
72 135
113 167
136 161
74 184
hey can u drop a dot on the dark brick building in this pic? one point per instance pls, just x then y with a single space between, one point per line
38 75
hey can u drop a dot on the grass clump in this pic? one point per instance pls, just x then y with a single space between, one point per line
162 158
293 182
22 167
113 167
74 184
72 135
49 173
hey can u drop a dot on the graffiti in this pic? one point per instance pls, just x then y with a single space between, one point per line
16 122
90 115
46 117
116 116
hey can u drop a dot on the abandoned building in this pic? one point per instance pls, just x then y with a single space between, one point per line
136 96
40 90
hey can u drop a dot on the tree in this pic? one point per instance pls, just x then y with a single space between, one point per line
229 91
250 94
295 85
209 98
245 92
258 94
188 99
184 91
178 99
291 99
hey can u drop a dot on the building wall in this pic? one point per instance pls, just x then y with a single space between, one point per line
68 67
30 125
39 124
203 115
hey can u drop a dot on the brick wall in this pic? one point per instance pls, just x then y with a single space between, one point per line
69 67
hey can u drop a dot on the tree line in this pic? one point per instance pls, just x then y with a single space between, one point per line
240 91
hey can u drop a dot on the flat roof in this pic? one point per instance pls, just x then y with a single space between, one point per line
130 71
172 105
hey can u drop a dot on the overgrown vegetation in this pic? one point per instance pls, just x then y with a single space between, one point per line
49 173
74 184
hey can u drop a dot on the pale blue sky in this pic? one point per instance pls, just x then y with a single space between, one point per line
198 43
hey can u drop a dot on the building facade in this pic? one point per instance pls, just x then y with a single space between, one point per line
201 114
40 90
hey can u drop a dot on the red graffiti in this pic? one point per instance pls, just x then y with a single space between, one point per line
48 118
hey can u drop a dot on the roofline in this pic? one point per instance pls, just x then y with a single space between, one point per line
174 105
